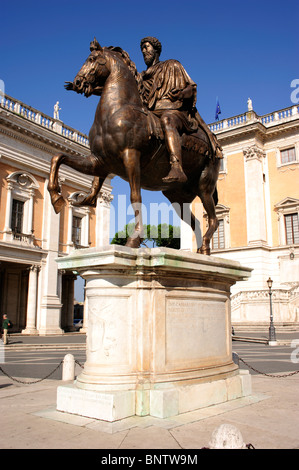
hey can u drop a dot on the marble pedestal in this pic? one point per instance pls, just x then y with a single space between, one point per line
159 333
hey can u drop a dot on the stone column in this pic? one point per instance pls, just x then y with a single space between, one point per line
70 226
103 218
70 302
85 228
32 302
84 329
30 212
50 304
255 199
7 227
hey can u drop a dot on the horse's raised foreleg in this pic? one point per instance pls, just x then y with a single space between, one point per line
88 165
91 198
53 186
131 158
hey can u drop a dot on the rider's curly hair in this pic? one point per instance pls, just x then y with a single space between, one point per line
154 42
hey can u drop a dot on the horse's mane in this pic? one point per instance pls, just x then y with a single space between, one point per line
127 60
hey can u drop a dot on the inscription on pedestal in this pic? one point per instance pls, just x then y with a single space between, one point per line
195 331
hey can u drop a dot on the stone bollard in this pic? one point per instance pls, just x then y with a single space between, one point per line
68 370
226 436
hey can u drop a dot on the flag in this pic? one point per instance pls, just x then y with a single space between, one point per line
218 110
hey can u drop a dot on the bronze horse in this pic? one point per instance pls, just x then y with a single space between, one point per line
126 140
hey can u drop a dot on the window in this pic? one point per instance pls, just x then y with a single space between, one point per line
78 223
21 189
288 217
288 155
218 240
292 228
221 238
76 230
17 216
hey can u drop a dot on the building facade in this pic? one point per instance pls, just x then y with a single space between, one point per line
258 212
36 296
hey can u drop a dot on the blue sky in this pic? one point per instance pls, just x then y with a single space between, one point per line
231 49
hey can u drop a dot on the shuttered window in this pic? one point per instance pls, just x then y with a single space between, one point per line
17 216
292 228
76 230
218 241
288 155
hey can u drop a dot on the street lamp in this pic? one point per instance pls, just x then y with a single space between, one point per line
272 333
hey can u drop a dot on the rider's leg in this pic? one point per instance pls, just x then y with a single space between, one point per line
171 126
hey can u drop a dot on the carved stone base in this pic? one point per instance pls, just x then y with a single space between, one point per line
160 402
159 332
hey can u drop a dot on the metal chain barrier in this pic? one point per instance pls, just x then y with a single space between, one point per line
34 381
269 375
38 380
79 364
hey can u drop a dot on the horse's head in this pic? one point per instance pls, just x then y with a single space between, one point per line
93 73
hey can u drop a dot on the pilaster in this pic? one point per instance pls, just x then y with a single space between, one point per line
255 198
32 301
103 218
50 307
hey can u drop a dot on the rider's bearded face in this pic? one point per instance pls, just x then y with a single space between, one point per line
149 53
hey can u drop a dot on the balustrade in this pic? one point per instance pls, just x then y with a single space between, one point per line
267 120
42 119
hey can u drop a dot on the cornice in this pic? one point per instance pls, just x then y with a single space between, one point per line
256 130
21 129
244 132
41 166
22 138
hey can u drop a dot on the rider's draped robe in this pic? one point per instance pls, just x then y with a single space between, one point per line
155 87
156 84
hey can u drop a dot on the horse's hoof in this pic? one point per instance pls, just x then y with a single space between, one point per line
204 251
134 242
58 204
87 201
91 202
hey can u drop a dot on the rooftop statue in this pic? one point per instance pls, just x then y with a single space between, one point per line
56 110
146 130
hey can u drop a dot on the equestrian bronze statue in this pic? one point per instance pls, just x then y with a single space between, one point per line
146 130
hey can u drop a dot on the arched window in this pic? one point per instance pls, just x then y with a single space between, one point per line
21 187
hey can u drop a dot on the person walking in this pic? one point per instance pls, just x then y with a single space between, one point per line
5 325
